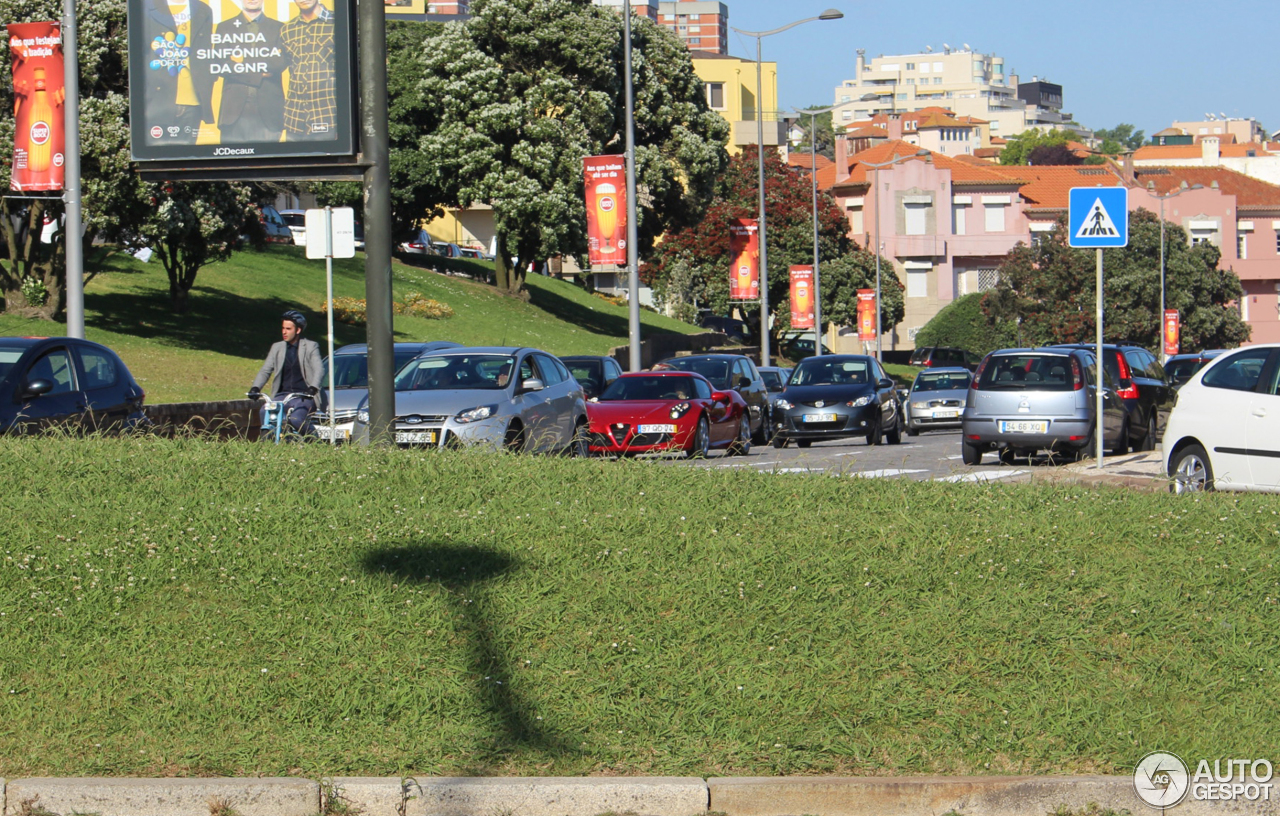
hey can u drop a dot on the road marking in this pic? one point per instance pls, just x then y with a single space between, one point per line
981 476
881 474
954 457
798 470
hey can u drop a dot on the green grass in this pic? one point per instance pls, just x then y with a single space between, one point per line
182 607
214 351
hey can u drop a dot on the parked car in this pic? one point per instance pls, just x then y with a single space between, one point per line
837 396
1144 388
447 249
936 399
735 330
1179 368
273 225
944 357
667 411
520 399
730 372
775 377
1026 400
1224 432
67 382
416 243
594 374
297 223
798 347
351 382
476 254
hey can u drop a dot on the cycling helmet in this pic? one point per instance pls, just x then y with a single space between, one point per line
297 318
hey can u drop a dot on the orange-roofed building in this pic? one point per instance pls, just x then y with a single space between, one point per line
1259 160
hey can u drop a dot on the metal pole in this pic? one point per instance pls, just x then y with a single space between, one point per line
71 185
328 277
817 286
374 143
633 215
764 244
1100 379
879 248
1164 358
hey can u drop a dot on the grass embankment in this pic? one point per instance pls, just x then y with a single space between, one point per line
178 607
214 351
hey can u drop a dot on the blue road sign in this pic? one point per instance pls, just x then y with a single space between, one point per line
1098 217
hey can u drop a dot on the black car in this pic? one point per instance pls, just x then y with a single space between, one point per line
944 357
731 372
594 374
64 381
798 348
1179 368
837 396
1142 385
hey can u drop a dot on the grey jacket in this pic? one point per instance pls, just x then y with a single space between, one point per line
309 360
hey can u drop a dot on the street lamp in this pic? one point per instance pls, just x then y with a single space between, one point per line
633 216
1152 192
813 176
879 249
829 14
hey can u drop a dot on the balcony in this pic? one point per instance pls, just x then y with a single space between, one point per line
775 130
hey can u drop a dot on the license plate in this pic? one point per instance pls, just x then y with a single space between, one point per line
1024 427
819 418
325 432
652 429
945 414
415 437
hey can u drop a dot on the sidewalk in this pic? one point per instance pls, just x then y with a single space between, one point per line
1138 471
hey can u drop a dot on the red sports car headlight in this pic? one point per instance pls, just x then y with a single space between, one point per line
680 410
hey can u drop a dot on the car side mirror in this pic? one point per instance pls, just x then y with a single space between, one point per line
532 384
719 396
885 383
37 388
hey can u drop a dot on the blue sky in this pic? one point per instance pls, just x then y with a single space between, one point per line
1139 61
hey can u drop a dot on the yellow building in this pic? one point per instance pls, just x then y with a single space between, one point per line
472 227
730 83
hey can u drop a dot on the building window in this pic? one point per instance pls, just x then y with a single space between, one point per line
1278 242
695 41
917 283
902 97
916 219
958 218
715 95
911 80
1201 236
995 217
844 98
847 116
911 66
1241 245
987 279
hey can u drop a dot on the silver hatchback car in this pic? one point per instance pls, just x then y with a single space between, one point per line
1025 400
497 397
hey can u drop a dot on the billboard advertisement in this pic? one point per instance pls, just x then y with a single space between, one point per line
1172 331
605 188
802 297
744 254
866 314
240 79
399 7
38 94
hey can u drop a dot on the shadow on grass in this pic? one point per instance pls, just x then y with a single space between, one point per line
464 571
583 316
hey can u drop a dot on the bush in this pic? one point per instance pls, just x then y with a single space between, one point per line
962 324
347 310
415 304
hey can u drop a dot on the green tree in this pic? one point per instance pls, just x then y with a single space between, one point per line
963 324
1051 287
1120 138
825 131
1022 148
526 88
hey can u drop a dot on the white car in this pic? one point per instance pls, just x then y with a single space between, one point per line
297 221
1224 431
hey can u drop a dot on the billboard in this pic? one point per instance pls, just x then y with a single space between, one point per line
744 254
39 116
396 8
1172 331
866 314
802 297
605 187
240 79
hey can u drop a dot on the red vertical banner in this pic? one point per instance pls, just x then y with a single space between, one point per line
866 314
38 94
744 252
605 188
1172 331
802 297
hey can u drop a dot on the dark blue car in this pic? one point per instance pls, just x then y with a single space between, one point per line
67 382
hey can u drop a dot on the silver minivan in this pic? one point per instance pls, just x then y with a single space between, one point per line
1026 400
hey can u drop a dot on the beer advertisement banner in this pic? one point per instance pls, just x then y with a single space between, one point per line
240 79
1172 331
744 252
866 314
606 193
38 94
802 297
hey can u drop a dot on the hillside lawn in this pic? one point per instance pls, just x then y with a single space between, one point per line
183 607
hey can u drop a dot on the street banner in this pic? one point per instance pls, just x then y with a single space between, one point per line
744 252
240 79
1172 331
866 314
605 188
38 94
802 297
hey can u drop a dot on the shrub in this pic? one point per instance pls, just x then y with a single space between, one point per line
962 324
347 310
416 304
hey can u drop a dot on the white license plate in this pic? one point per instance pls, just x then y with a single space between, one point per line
819 418
325 432
1024 427
651 429
945 414
415 437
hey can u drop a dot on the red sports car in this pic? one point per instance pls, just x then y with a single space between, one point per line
667 411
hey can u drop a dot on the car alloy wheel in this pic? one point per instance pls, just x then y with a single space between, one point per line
515 439
1149 441
873 433
701 441
742 445
1191 471
579 446
779 441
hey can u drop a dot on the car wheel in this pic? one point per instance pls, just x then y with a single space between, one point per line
1006 455
1149 441
970 454
761 435
912 430
803 443
701 441
874 433
580 447
742 445
895 433
779 441
515 438
1122 444
1190 470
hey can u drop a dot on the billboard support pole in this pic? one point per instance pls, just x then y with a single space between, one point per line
73 231
375 144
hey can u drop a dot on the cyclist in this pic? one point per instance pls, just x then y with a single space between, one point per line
298 369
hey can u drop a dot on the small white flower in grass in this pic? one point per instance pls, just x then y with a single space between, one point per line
739 688
264 671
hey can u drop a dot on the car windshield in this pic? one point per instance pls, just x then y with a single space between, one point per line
1184 368
772 380
1030 372
650 388
352 370
294 219
824 371
954 381
454 372
8 356
587 372
717 371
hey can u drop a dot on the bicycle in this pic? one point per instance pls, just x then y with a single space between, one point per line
274 424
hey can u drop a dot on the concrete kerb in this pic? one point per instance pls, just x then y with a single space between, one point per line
163 797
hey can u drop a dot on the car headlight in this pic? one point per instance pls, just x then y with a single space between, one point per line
783 404
920 406
362 416
476 414
680 410
861 401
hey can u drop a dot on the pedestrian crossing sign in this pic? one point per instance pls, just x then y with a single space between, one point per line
1098 217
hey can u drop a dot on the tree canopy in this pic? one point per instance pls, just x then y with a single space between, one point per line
1120 138
1039 148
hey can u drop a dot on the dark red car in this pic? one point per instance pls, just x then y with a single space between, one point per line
667 411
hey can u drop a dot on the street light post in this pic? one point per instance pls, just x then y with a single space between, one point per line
829 14
879 248
813 176
1164 358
